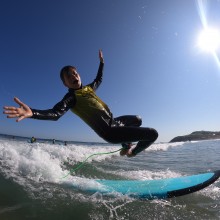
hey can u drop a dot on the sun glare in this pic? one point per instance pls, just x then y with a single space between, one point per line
209 40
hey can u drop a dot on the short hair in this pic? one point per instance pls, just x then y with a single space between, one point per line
65 69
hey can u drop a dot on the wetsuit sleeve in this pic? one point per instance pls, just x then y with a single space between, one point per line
97 81
57 111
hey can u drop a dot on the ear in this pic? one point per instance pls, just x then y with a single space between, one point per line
63 80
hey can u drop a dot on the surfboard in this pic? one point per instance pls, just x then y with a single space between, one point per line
154 189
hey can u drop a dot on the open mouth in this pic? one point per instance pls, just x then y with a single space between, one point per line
75 81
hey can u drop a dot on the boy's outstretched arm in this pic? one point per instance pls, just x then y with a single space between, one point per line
20 113
97 81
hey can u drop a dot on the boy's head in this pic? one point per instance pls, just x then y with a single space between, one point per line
70 77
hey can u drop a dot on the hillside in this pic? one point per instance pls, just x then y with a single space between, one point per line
198 135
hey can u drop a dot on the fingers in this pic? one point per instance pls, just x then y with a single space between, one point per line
100 53
20 118
10 110
11 113
20 113
22 105
101 56
15 114
18 101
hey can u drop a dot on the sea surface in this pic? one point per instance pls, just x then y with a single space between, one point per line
34 180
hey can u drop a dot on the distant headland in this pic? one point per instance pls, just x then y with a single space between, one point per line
197 136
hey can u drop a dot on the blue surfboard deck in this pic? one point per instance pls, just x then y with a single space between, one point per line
155 189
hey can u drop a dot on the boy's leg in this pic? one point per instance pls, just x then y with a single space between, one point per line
125 148
128 120
141 146
126 134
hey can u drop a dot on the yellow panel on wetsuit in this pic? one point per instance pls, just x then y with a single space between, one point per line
91 109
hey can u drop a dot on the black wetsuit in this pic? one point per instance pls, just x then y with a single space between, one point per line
90 108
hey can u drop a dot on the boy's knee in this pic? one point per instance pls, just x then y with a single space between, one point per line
154 134
139 120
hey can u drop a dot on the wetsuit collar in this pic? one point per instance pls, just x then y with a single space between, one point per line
72 90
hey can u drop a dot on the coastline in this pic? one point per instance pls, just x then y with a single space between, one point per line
197 136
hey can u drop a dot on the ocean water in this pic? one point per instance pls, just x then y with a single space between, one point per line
32 183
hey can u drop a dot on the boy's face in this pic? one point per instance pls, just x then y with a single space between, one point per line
72 79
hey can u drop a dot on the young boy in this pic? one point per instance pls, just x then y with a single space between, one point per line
83 101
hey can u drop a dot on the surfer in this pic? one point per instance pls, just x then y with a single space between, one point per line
33 139
83 101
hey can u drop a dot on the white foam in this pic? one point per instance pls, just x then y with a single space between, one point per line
44 162
82 183
164 146
147 174
213 191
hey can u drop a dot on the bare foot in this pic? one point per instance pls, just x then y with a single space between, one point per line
130 153
126 147
124 152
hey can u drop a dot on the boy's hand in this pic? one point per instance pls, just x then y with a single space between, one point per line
21 113
101 56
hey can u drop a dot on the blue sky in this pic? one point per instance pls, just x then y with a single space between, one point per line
153 66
